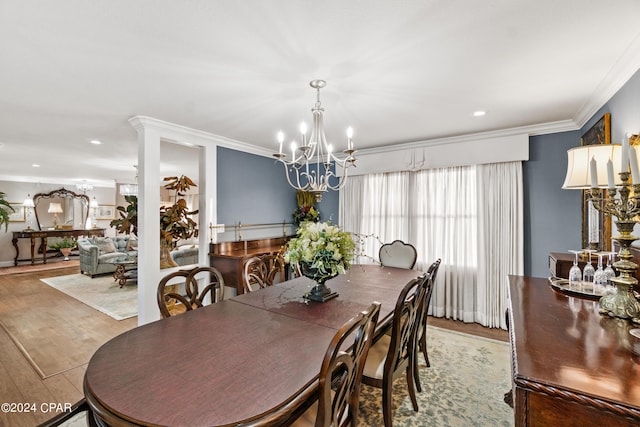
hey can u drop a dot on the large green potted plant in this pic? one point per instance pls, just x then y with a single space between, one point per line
127 223
5 208
175 220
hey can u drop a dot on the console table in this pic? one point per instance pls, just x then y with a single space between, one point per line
229 257
571 366
44 235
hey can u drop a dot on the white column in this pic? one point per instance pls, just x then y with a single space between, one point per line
207 200
148 222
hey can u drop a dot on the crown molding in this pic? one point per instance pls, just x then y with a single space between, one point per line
184 135
530 130
620 73
57 181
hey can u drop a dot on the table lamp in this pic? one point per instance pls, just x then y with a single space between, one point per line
28 205
603 171
55 209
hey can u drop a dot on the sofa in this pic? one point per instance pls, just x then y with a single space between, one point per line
185 254
97 254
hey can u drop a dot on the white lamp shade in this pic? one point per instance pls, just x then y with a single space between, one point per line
578 171
28 202
55 208
94 203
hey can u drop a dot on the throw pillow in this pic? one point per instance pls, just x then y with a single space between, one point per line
132 245
105 245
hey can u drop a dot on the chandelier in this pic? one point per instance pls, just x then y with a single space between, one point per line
130 189
84 187
313 164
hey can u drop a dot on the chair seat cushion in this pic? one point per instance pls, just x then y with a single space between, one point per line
374 366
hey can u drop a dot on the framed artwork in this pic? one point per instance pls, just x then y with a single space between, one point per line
19 214
596 227
106 212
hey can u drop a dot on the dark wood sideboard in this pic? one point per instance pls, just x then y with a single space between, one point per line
32 235
571 365
229 257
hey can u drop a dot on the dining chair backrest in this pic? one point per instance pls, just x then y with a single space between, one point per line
260 272
406 320
421 345
171 301
398 254
341 371
393 354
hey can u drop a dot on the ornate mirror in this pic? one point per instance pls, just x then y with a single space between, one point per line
61 209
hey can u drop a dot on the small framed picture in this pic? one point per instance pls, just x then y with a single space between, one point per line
18 214
106 212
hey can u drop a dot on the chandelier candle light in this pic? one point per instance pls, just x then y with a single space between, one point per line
323 176
619 204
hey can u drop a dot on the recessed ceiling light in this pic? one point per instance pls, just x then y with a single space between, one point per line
479 113
35 165
96 141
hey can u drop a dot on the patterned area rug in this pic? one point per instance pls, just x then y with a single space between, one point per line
463 387
101 293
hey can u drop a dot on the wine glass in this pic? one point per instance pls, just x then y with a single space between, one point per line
589 271
575 274
610 272
599 277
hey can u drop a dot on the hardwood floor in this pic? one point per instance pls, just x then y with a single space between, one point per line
22 384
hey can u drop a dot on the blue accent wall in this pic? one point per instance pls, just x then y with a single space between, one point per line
253 190
552 216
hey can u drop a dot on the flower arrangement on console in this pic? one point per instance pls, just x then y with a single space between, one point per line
321 250
306 210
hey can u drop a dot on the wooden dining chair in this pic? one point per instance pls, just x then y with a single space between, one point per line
341 373
432 273
171 301
393 354
260 272
398 254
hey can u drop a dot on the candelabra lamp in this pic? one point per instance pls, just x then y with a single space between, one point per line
624 207
591 168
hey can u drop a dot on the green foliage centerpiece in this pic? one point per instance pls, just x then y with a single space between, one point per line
320 251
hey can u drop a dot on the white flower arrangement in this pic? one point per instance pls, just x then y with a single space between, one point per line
321 250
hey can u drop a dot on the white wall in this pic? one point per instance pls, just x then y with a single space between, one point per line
18 191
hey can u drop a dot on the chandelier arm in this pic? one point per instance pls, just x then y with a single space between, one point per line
311 179
341 182
286 173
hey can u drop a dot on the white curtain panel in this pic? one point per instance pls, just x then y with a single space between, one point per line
500 238
470 217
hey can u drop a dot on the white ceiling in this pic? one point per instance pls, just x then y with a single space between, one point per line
397 71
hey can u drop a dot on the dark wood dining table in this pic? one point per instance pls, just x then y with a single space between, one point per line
235 362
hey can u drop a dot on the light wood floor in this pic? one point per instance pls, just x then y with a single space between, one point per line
20 383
